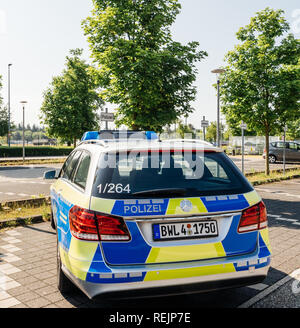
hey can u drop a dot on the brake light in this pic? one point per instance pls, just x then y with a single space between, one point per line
112 228
254 218
86 225
82 224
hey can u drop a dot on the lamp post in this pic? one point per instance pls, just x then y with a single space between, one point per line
218 71
23 105
8 132
284 147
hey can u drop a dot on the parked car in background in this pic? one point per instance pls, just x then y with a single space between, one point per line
292 151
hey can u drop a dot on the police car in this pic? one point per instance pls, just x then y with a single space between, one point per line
134 213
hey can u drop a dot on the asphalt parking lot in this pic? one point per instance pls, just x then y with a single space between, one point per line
28 267
23 182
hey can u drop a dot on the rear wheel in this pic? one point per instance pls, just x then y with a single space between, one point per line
272 159
64 285
52 221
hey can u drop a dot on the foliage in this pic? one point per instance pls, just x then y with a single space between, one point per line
211 132
293 130
3 115
149 76
34 151
186 130
71 102
261 84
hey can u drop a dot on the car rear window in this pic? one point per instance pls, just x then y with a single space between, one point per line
149 175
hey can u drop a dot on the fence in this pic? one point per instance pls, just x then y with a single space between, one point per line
253 145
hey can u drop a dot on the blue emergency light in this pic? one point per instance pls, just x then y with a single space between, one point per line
119 135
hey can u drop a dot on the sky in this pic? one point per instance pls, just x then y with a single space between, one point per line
36 36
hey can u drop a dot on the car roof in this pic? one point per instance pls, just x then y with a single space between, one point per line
127 145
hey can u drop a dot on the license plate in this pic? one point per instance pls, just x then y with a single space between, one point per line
185 230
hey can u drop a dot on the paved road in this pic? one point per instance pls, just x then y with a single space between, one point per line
28 267
21 182
257 163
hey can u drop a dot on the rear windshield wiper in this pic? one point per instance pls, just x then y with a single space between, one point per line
177 191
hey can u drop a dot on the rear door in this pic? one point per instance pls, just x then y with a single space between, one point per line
294 152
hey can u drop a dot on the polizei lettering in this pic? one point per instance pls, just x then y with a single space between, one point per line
142 209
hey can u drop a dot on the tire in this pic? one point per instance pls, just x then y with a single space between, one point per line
272 159
52 221
64 285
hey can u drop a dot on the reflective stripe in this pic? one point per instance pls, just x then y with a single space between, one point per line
252 198
185 253
190 272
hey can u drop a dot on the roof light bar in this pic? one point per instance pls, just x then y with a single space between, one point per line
119 135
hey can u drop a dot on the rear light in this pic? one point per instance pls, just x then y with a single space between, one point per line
254 218
112 228
83 224
86 225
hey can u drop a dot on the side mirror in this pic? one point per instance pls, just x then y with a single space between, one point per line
50 175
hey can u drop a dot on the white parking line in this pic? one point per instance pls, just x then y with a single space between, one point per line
270 191
259 286
269 290
280 218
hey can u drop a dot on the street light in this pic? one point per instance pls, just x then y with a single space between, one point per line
218 71
23 105
8 134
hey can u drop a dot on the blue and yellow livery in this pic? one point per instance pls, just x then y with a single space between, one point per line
137 225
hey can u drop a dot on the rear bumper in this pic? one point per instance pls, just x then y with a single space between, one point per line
191 279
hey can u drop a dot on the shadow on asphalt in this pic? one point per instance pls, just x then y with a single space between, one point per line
229 298
32 227
283 208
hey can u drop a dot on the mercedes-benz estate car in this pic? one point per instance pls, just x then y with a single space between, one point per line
156 216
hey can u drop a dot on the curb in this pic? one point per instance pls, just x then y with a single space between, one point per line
35 202
30 162
261 182
11 223
250 174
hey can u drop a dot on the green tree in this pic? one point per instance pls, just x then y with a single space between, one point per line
71 102
185 130
28 135
293 130
17 135
211 132
3 115
261 83
3 121
149 76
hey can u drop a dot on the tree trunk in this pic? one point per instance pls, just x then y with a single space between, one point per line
267 166
74 143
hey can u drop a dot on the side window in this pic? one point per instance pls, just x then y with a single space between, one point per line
71 166
81 175
66 164
293 146
215 169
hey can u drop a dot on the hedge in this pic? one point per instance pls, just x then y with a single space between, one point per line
6 152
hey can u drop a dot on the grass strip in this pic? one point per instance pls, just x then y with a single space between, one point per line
275 176
32 162
24 212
